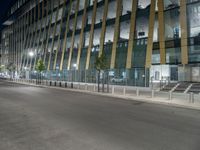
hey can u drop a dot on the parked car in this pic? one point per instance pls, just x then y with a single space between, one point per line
117 79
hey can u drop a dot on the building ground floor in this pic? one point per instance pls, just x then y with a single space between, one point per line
157 74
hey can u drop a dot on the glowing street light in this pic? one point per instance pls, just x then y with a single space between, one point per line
74 65
31 54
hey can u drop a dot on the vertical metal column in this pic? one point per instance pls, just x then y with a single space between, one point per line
161 31
45 46
73 35
53 39
184 34
36 32
14 42
59 39
150 36
116 33
91 34
39 36
65 38
103 29
82 33
26 31
31 36
131 34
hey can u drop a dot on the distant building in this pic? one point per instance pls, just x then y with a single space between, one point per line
144 40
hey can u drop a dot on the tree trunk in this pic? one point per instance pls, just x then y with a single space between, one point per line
103 81
107 78
40 78
98 80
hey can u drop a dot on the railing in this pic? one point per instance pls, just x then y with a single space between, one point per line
124 91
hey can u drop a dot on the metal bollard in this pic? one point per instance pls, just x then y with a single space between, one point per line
60 84
113 90
137 92
170 95
50 83
72 85
191 98
124 91
65 84
152 94
94 88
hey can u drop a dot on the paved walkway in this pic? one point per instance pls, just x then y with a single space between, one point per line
177 99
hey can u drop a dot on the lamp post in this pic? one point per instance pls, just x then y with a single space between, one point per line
31 55
74 69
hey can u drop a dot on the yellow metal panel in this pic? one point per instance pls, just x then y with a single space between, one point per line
45 46
81 34
131 34
35 35
103 30
150 36
91 34
65 38
53 40
184 35
25 40
161 31
29 36
31 39
39 36
116 33
59 40
73 35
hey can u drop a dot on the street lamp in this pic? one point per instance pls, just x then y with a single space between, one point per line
74 68
31 54
75 65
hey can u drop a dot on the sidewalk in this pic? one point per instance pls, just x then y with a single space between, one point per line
128 93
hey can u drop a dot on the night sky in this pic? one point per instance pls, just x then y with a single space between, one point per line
4 5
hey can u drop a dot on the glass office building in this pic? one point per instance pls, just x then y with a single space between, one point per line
145 41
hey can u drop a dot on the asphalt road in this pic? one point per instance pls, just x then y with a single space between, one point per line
34 118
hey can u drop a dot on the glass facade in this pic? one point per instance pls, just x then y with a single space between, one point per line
67 36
